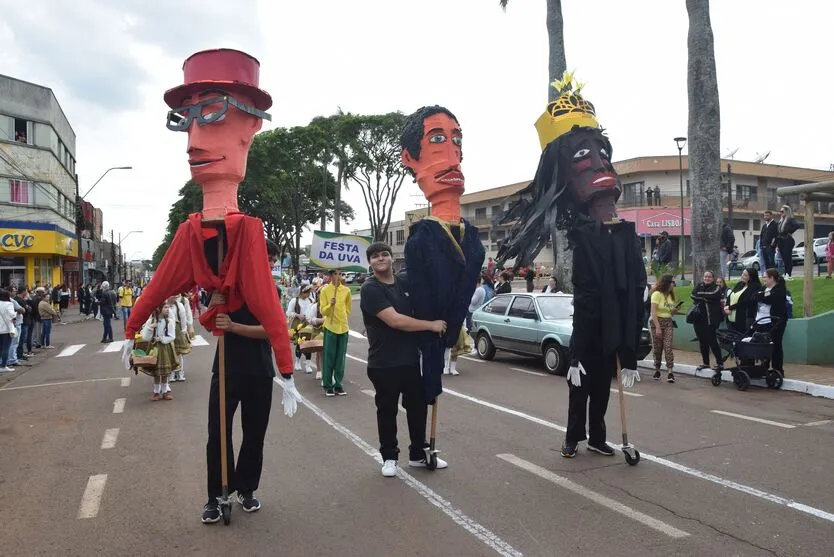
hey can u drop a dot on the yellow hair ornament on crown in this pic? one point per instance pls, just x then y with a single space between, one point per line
567 111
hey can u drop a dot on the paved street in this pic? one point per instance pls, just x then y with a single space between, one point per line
90 466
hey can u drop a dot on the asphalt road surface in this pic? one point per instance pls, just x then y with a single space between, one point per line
90 466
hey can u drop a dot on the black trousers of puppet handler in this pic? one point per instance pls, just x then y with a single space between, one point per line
590 401
254 395
389 383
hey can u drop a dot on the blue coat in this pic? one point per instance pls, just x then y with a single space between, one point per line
442 273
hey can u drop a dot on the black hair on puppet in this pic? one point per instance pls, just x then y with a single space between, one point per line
543 204
413 130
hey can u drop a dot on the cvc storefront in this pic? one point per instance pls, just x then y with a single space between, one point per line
33 253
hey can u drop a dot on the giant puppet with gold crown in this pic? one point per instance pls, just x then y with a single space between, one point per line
576 189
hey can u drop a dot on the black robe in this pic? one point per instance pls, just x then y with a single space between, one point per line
441 270
609 280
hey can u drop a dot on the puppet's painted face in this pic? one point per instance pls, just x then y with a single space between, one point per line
218 148
437 169
589 169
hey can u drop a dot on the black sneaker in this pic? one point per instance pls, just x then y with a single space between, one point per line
601 448
568 450
702 366
248 501
329 392
656 375
670 378
211 512
339 391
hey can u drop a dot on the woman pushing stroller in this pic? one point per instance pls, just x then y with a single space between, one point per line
772 314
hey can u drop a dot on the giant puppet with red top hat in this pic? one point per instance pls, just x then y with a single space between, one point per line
221 107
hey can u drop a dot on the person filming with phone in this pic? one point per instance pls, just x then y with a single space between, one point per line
664 306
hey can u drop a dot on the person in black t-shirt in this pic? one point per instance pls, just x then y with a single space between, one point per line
393 358
249 375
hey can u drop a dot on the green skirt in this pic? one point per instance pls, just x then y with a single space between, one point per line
182 344
167 361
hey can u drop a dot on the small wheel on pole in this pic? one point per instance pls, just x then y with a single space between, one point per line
716 380
632 455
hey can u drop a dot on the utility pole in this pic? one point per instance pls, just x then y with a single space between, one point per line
730 192
112 256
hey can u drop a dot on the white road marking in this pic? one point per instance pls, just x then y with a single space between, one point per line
480 532
626 393
110 438
821 422
114 346
598 498
199 341
723 482
480 361
372 393
119 405
91 500
70 350
354 334
58 383
125 381
360 360
527 371
752 419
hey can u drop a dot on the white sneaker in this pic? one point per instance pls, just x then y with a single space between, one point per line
297 364
446 371
7 368
389 468
318 375
307 367
474 352
454 371
422 463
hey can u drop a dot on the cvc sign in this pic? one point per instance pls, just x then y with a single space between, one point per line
16 241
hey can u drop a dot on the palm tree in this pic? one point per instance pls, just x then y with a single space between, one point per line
556 67
704 140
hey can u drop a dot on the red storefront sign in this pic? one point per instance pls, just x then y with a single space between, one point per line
651 222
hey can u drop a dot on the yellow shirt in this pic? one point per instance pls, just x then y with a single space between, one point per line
665 304
335 316
125 297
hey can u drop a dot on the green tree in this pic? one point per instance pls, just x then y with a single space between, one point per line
556 67
374 164
190 201
704 139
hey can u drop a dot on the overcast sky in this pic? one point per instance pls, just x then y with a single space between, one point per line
109 63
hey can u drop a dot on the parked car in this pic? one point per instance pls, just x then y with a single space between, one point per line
534 324
746 260
798 255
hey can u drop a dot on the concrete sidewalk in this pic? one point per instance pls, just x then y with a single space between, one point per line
808 379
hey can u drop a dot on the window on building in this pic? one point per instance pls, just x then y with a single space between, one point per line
748 193
20 192
497 212
22 131
632 194
400 237
480 214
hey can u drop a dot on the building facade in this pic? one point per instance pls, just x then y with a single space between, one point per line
749 189
38 188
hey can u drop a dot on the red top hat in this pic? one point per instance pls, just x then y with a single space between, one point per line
225 69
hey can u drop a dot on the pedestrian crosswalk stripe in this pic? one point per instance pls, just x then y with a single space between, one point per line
113 346
70 350
199 341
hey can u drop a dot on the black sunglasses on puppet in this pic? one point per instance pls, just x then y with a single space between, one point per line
179 119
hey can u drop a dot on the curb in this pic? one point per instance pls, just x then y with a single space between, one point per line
793 385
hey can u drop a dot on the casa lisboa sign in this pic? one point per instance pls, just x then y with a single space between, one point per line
15 241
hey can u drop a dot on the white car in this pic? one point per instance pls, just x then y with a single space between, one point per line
798 255
746 260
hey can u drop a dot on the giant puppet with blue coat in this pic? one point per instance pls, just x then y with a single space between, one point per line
443 253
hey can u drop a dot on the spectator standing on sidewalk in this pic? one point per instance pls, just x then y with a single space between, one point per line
19 310
47 313
663 332
477 301
784 239
335 304
37 322
766 241
829 253
393 359
126 300
504 285
24 349
772 314
530 277
107 307
7 330
664 252
707 297
728 242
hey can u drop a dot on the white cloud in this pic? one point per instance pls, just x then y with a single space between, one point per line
109 64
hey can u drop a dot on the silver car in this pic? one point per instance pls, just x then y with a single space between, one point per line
531 324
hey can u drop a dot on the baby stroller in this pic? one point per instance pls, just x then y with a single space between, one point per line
752 351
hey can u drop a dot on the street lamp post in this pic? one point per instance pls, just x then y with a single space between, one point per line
680 142
78 217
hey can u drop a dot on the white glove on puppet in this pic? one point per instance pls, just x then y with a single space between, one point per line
629 376
291 397
127 349
574 375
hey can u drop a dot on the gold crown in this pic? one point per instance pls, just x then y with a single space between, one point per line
567 111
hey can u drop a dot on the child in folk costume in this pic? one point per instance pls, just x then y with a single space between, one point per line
297 319
184 330
462 347
313 331
160 331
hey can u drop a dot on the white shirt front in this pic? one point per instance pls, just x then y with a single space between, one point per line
763 310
